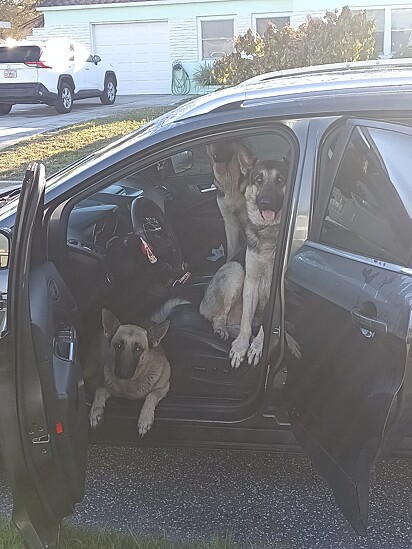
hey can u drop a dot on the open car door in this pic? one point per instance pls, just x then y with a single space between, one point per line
349 289
43 416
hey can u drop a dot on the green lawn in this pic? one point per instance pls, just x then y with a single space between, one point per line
59 148
76 538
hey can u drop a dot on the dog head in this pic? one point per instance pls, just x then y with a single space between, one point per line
224 156
130 344
265 189
221 154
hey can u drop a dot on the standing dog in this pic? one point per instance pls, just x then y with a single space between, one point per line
239 296
127 361
230 183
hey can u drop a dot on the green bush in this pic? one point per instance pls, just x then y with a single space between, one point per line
347 36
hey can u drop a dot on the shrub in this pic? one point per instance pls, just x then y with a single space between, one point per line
347 36
204 76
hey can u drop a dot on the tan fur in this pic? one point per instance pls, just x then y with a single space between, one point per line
231 200
150 380
239 296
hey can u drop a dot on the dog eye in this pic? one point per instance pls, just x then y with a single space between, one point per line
137 348
119 345
259 178
280 179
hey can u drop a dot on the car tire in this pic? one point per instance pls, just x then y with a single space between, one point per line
5 108
108 96
64 101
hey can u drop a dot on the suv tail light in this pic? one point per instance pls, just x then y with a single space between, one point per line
37 64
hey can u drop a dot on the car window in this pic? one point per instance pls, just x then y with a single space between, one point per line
370 204
19 54
266 146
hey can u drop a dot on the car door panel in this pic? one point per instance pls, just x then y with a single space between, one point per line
352 317
340 398
45 454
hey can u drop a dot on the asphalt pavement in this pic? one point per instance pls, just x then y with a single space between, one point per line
277 501
27 120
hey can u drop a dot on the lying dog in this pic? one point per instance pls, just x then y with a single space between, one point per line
239 296
128 362
230 181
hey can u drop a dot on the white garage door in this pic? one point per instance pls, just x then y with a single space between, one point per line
140 54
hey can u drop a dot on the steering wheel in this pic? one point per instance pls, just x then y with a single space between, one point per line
150 224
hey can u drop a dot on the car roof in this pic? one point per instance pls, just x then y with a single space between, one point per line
299 84
349 66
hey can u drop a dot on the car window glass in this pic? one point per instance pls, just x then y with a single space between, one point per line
266 146
19 54
370 205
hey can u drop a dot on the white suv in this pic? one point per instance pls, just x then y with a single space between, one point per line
55 72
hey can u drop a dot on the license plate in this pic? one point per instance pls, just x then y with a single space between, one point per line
10 73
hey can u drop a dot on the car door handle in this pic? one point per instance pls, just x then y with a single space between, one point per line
65 343
371 324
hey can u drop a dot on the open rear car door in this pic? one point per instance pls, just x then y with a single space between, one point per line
43 415
349 287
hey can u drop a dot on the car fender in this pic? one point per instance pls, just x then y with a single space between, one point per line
68 78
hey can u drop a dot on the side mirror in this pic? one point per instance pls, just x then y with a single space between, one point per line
182 161
5 245
96 59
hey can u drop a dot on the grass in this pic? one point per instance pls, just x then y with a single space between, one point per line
59 148
76 538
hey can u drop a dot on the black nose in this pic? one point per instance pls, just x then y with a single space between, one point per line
265 205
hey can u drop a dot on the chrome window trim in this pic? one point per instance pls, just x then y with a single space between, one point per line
393 267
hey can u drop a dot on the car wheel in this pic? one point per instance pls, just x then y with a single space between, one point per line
5 108
108 96
64 102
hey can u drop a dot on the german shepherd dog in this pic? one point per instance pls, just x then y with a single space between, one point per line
230 183
127 361
237 295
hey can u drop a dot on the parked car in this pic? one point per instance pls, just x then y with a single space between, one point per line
55 72
342 278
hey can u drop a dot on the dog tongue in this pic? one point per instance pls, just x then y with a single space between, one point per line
268 215
220 168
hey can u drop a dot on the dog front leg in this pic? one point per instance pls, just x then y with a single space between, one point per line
97 410
232 236
256 347
250 301
146 416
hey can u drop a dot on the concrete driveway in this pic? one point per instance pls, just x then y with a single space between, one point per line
27 120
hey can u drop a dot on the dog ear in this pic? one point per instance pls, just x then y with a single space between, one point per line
110 324
246 159
156 333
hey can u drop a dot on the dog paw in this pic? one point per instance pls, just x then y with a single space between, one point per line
222 332
293 346
255 352
96 417
237 352
145 424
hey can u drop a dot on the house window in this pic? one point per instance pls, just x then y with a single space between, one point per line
279 22
217 37
401 36
379 17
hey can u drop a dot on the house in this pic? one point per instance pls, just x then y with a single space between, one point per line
143 37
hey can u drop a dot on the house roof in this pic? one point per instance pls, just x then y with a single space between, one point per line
64 3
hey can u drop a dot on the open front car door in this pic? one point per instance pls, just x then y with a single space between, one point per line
43 415
350 289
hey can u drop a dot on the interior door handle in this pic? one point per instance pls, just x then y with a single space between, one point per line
372 324
65 343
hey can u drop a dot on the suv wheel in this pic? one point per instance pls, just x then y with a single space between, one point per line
5 108
108 96
64 101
